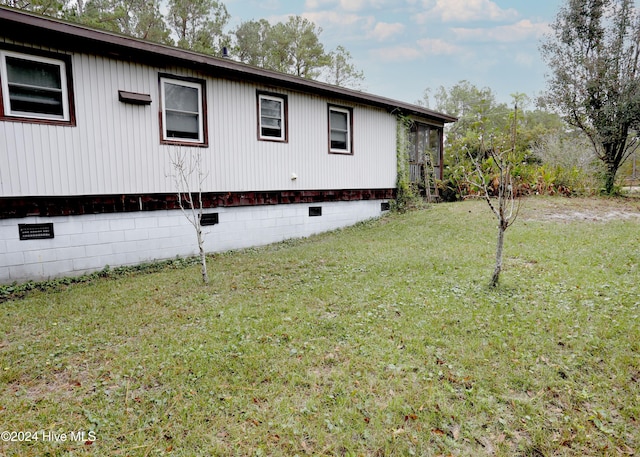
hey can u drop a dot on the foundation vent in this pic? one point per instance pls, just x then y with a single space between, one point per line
35 231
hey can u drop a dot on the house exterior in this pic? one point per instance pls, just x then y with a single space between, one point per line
91 124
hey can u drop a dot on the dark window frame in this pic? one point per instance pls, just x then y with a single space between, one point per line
200 142
349 111
37 55
284 138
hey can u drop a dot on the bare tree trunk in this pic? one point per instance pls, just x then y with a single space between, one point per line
504 209
203 256
185 167
499 249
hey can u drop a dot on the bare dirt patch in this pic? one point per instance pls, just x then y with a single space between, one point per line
580 209
58 386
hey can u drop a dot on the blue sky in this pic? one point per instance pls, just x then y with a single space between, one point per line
406 46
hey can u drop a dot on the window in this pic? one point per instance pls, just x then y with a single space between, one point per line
340 130
35 87
272 117
183 114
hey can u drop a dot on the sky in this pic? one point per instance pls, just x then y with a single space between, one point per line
404 47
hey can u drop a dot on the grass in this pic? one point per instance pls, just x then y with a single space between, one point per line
378 340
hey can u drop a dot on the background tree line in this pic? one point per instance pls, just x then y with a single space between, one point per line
583 135
548 157
292 47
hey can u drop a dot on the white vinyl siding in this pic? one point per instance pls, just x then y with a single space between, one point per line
34 87
115 148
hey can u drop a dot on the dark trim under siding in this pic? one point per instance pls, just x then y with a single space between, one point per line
19 207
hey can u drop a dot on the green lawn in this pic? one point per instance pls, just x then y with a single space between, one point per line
378 340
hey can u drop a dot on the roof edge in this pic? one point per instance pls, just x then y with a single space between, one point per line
187 57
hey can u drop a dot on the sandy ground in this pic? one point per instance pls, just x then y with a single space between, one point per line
581 209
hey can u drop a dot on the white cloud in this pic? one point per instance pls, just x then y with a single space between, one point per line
520 31
316 4
353 5
333 18
396 53
362 25
383 30
422 48
525 59
436 46
350 5
358 15
464 11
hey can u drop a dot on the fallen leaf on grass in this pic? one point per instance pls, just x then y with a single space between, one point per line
627 450
398 432
499 438
455 431
567 441
486 444
601 426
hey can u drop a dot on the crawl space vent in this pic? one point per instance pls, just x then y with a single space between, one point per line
209 219
35 231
